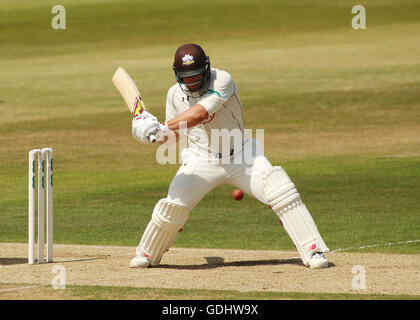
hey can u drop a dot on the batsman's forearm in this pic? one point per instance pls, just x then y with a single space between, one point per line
193 116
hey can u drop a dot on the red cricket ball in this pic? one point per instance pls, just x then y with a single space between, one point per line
237 194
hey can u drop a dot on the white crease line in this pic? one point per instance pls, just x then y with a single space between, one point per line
377 245
105 279
19 288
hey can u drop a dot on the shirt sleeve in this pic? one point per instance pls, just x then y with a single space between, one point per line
170 107
219 93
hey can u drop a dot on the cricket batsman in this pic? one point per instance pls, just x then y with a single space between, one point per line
206 99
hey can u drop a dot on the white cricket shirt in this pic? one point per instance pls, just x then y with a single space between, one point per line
221 135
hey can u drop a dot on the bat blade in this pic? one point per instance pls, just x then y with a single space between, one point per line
130 93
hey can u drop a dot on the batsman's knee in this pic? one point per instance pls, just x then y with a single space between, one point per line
170 216
279 190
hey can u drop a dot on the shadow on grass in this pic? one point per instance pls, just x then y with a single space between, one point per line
12 261
217 262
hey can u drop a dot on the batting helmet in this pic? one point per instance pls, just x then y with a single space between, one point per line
191 60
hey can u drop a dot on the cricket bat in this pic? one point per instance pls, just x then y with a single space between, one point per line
130 94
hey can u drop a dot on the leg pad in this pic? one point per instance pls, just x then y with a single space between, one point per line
282 196
167 219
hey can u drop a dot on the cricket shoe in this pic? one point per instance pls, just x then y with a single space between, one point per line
318 261
139 262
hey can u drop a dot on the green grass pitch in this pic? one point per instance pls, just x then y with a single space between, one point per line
340 109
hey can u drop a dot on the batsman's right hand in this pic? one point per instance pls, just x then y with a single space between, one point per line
142 128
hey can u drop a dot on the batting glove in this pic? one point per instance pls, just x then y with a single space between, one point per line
142 129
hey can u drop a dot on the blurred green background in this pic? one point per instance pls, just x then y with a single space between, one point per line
340 109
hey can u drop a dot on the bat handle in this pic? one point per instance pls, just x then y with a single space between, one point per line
155 137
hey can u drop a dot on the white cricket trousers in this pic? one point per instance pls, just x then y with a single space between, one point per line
196 177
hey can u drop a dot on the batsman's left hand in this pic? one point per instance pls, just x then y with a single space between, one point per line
142 129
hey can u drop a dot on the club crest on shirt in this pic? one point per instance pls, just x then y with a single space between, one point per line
187 60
